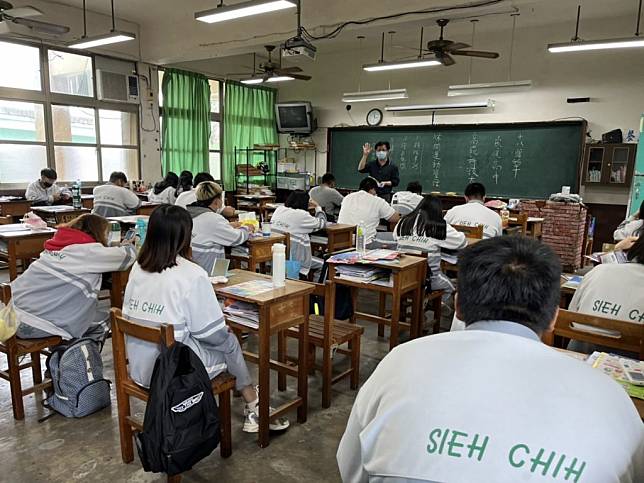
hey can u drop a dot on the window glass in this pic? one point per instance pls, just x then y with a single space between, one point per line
20 66
22 121
120 159
21 163
74 124
214 161
160 88
70 73
214 95
214 136
118 128
76 162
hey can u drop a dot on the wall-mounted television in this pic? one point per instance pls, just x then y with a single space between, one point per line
294 118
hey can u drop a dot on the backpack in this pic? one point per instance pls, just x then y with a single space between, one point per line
76 371
181 423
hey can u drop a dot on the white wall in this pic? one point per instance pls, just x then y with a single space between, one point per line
613 81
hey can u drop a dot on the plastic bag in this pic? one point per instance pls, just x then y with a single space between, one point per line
34 222
8 322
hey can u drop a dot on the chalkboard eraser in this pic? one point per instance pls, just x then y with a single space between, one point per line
451 193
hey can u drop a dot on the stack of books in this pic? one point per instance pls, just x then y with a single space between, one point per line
243 313
360 274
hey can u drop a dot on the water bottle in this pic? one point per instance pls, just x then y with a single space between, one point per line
141 230
76 195
505 217
279 265
114 237
361 241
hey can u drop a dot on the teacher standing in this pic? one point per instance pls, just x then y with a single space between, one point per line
381 168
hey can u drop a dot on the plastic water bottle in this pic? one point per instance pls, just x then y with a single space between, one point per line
141 230
76 195
361 241
114 237
279 265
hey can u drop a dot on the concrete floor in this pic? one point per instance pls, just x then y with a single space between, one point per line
88 449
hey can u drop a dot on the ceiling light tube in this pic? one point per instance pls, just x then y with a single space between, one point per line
442 107
244 9
586 45
280 78
112 37
412 64
373 96
489 88
255 80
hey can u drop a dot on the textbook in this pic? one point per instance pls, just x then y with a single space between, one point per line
572 281
608 257
379 255
611 365
243 313
249 289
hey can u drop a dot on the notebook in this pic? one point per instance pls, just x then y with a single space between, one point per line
220 268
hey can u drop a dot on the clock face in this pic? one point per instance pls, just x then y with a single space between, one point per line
374 117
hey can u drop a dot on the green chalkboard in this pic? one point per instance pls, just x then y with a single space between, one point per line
520 160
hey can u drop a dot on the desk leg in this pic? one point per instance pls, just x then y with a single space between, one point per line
11 251
281 357
395 313
264 376
382 303
303 365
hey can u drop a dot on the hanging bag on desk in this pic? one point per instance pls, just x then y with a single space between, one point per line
8 322
343 302
181 424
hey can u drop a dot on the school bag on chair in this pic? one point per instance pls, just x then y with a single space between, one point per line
181 423
76 371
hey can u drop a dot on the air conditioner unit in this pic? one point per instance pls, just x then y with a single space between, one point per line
117 87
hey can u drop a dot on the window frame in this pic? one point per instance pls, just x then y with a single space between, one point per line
48 99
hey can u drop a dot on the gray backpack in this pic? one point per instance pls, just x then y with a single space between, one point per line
76 371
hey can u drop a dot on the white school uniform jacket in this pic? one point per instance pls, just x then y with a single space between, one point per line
186 198
112 200
490 404
454 240
629 227
183 297
404 202
299 224
615 291
363 207
36 193
167 196
59 292
211 232
475 213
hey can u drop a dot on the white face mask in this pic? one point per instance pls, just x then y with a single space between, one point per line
382 155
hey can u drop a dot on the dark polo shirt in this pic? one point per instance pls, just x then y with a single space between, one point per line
386 172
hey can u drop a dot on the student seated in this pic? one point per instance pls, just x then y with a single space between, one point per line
185 183
327 196
211 232
630 225
475 213
404 202
188 197
294 218
612 290
165 190
165 287
424 229
365 207
492 403
45 191
114 198
58 293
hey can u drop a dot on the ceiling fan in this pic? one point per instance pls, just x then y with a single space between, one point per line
19 15
443 49
271 71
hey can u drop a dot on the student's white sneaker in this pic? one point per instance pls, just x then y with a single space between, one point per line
251 422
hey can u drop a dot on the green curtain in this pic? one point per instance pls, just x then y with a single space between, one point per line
249 119
186 121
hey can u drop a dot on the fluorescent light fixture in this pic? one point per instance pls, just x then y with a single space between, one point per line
244 9
412 64
489 88
254 80
443 107
372 96
585 45
280 78
112 37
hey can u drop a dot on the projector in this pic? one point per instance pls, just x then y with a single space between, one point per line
298 47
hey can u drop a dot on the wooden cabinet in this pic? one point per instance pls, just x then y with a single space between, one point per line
609 164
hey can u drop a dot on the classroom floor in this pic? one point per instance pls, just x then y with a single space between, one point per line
64 450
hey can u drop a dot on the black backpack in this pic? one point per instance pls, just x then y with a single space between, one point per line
181 425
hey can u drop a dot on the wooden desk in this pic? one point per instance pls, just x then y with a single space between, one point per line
452 267
279 310
408 277
128 221
15 208
87 201
534 226
260 251
57 214
339 237
256 203
566 292
22 245
147 208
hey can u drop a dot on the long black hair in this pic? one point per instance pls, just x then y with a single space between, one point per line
298 200
426 220
168 236
185 183
171 180
636 253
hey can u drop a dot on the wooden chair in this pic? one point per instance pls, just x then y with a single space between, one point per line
470 231
15 348
631 337
521 222
222 385
6 220
329 334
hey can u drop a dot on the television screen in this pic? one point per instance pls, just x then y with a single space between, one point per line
294 117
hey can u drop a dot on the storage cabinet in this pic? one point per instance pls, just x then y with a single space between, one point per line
609 164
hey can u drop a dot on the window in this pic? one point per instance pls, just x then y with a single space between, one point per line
119 139
71 73
20 66
74 124
21 121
